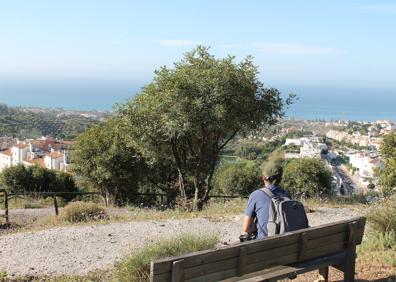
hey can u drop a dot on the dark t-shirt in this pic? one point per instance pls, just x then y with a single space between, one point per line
259 205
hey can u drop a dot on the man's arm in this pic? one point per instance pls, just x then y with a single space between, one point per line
248 225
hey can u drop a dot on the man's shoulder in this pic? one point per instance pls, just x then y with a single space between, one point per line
258 194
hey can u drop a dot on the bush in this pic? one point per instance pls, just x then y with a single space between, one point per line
379 248
383 216
137 266
19 179
238 179
82 211
307 177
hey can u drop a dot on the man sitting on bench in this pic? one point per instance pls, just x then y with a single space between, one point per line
257 211
270 210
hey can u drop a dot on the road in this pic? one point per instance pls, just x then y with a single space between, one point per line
348 186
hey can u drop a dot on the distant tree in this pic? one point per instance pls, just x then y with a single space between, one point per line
20 179
306 177
17 179
101 156
44 180
387 176
239 179
188 114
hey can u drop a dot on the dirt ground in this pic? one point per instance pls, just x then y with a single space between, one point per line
365 271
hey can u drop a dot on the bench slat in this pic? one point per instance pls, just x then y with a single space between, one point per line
282 272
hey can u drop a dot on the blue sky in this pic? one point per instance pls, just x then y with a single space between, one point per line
345 44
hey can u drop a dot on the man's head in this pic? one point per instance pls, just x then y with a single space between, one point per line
272 173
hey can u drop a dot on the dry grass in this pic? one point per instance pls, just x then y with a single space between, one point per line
137 266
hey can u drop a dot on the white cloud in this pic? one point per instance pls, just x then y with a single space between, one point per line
177 42
284 48
387 8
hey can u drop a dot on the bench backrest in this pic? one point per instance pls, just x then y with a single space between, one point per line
240 259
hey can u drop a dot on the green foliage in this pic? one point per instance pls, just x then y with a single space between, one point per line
260 151
306 177
189 113
354 126
379 247
101 156
3 275
24 124
383 216
137 266
82 212
387 176
18 179
239 179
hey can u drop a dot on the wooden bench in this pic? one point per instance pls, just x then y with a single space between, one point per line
272 258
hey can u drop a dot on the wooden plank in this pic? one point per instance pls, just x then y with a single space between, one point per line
295 248
242 261
349 269
287 271
303 245
217 266
177 271
292 258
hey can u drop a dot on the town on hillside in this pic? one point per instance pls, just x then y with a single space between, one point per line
351 149
46 152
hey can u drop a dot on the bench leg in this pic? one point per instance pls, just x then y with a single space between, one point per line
349 267
324 272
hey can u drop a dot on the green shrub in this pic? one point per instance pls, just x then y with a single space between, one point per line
137 266
83 211
306 177
379 248
383 216
239 179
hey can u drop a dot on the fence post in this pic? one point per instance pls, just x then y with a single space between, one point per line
55 205
6 207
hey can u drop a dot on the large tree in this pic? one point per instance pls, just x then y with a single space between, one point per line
187 114
101 156
387 175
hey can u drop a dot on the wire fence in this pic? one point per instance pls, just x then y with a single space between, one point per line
138 199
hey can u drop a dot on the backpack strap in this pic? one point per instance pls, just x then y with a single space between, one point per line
268 192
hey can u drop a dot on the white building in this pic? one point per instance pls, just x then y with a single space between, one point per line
297 142
55 160
365 163
309 148
5 159
19 153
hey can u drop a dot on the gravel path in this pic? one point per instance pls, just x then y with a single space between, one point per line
81 249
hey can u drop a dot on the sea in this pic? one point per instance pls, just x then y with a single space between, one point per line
320 102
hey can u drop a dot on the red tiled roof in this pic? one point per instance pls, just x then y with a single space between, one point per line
6 152
21 145
37 161
55 155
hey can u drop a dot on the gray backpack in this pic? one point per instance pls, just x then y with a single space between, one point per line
285 214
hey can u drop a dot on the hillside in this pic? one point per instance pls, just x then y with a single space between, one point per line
26 123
